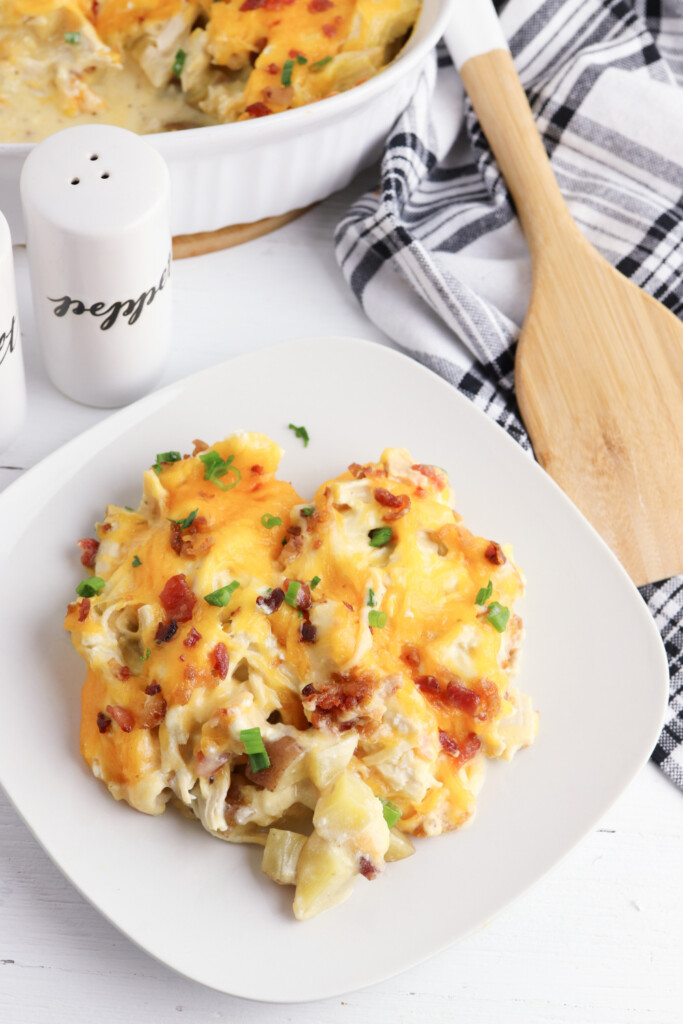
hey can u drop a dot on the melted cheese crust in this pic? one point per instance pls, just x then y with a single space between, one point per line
362 678
155 65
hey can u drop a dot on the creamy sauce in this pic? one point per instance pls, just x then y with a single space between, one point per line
130 101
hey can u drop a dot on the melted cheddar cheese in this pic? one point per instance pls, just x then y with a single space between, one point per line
154 65
368 636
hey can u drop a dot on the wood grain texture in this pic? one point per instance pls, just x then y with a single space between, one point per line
599 365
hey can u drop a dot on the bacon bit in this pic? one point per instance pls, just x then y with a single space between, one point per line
303 597
252 5
367 869
309 633
220 660
459 696
433 474
469 747
420 492
411 656
257 109
103 721
124 717
272 69
105 527
360 472
153 712
166 631
308 690
343 693
399 503
428 685
271 602
208 765
316 6
88 546
494 554
199 446
177 598
152 688
192 637
121 671
84 609
332 28
258 470
176 538
448 743
490 700
347 605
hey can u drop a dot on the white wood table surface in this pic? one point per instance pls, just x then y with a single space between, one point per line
597 941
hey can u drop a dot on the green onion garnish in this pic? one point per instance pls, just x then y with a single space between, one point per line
320 64
300 59
390 811
371 598
308 511
314 582
286 77
216 467
187 521
165 457
498 616
255 749
270 521
90 587
377 619
136 562
380 536
129 508
147 654
179 62
484 594
72 37
292 591
221 597
300 432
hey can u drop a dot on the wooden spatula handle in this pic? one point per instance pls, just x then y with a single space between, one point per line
506 119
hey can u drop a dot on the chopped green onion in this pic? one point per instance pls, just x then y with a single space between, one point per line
300 59
380 536
255 749
484 594
286 77
292 591
163 458
300 432
390 811
308 511
270 521
498 616
371 598
73 38
179 62
221 597
216 467
147 654
285 541
90 587
187 521
128 508
320 64
136 562
314 582
377 619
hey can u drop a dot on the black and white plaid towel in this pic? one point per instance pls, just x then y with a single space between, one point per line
437 258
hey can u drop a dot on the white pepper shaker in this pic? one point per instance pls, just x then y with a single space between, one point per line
12 385
96 208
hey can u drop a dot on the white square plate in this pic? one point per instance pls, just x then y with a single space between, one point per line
593 663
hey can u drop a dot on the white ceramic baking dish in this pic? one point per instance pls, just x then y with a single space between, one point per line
239 173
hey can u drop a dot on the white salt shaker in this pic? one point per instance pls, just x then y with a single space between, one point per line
12 385
96 208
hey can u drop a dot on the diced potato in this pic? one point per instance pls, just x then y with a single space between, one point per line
346 808
324 878
400 846
281 855
324 764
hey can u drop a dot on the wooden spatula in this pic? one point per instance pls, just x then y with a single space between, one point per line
599 366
